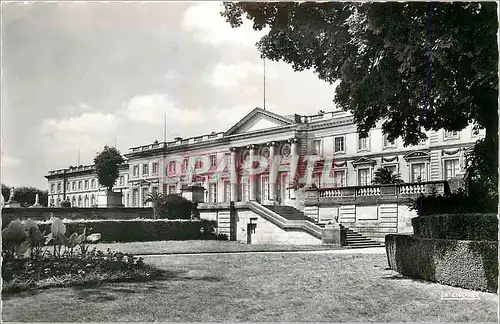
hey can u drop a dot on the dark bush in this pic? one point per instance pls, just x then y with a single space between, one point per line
475 227
456 203
143 231
466 264
66 204
175 207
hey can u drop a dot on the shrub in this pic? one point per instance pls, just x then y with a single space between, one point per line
145 230
456 203
475 227
176 207
466 264
66 203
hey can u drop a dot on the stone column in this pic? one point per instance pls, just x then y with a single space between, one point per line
273 171
234 175
252 177
294 147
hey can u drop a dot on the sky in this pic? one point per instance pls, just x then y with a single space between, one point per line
77 76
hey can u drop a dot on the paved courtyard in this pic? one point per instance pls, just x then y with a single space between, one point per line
343 285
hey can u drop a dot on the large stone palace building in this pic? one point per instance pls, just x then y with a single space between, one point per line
337 157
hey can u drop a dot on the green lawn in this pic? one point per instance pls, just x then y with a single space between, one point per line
166 247
272 287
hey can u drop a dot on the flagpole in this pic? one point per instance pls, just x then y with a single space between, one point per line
165 128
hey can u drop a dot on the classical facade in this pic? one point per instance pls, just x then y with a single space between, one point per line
79 185
261 156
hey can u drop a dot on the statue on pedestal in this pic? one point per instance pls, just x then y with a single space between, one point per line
11 202
11 195
37 203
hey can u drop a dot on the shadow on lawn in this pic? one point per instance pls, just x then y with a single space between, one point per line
108 291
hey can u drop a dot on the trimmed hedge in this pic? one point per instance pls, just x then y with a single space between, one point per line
466 264
143 231
456 203
474 227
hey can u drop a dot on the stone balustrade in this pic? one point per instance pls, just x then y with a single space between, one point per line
403 189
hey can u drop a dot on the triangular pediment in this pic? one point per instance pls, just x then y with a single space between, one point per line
364 160
258 119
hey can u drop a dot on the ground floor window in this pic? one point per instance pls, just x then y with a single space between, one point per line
418 172
227 191
265 188
212 192
172 189
245 192
451 168
339 178
363 177
135 197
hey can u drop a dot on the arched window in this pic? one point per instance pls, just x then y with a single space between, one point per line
73 202
92 201
86 201
58 202
79 201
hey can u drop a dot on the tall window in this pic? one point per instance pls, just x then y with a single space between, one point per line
317 179
135 197
67 186
451 168
92 200
171 167
418 172
52 187
363 177
86 184
80 185
73 201
213 160
340 178
59 187
145 169
245 193
388 143
316 147
73 185
265 188
135 171
212 192
362 143
339 144
122 180
227 191
92 183
185 164
227 157
155 168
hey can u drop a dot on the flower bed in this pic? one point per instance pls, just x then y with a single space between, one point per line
32 260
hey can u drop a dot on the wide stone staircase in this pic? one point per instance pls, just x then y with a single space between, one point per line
353 238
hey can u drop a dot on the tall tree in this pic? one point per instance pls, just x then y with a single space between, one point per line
107 162
415 66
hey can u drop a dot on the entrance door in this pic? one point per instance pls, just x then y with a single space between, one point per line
250 232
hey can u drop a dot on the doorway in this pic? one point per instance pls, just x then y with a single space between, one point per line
250 231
